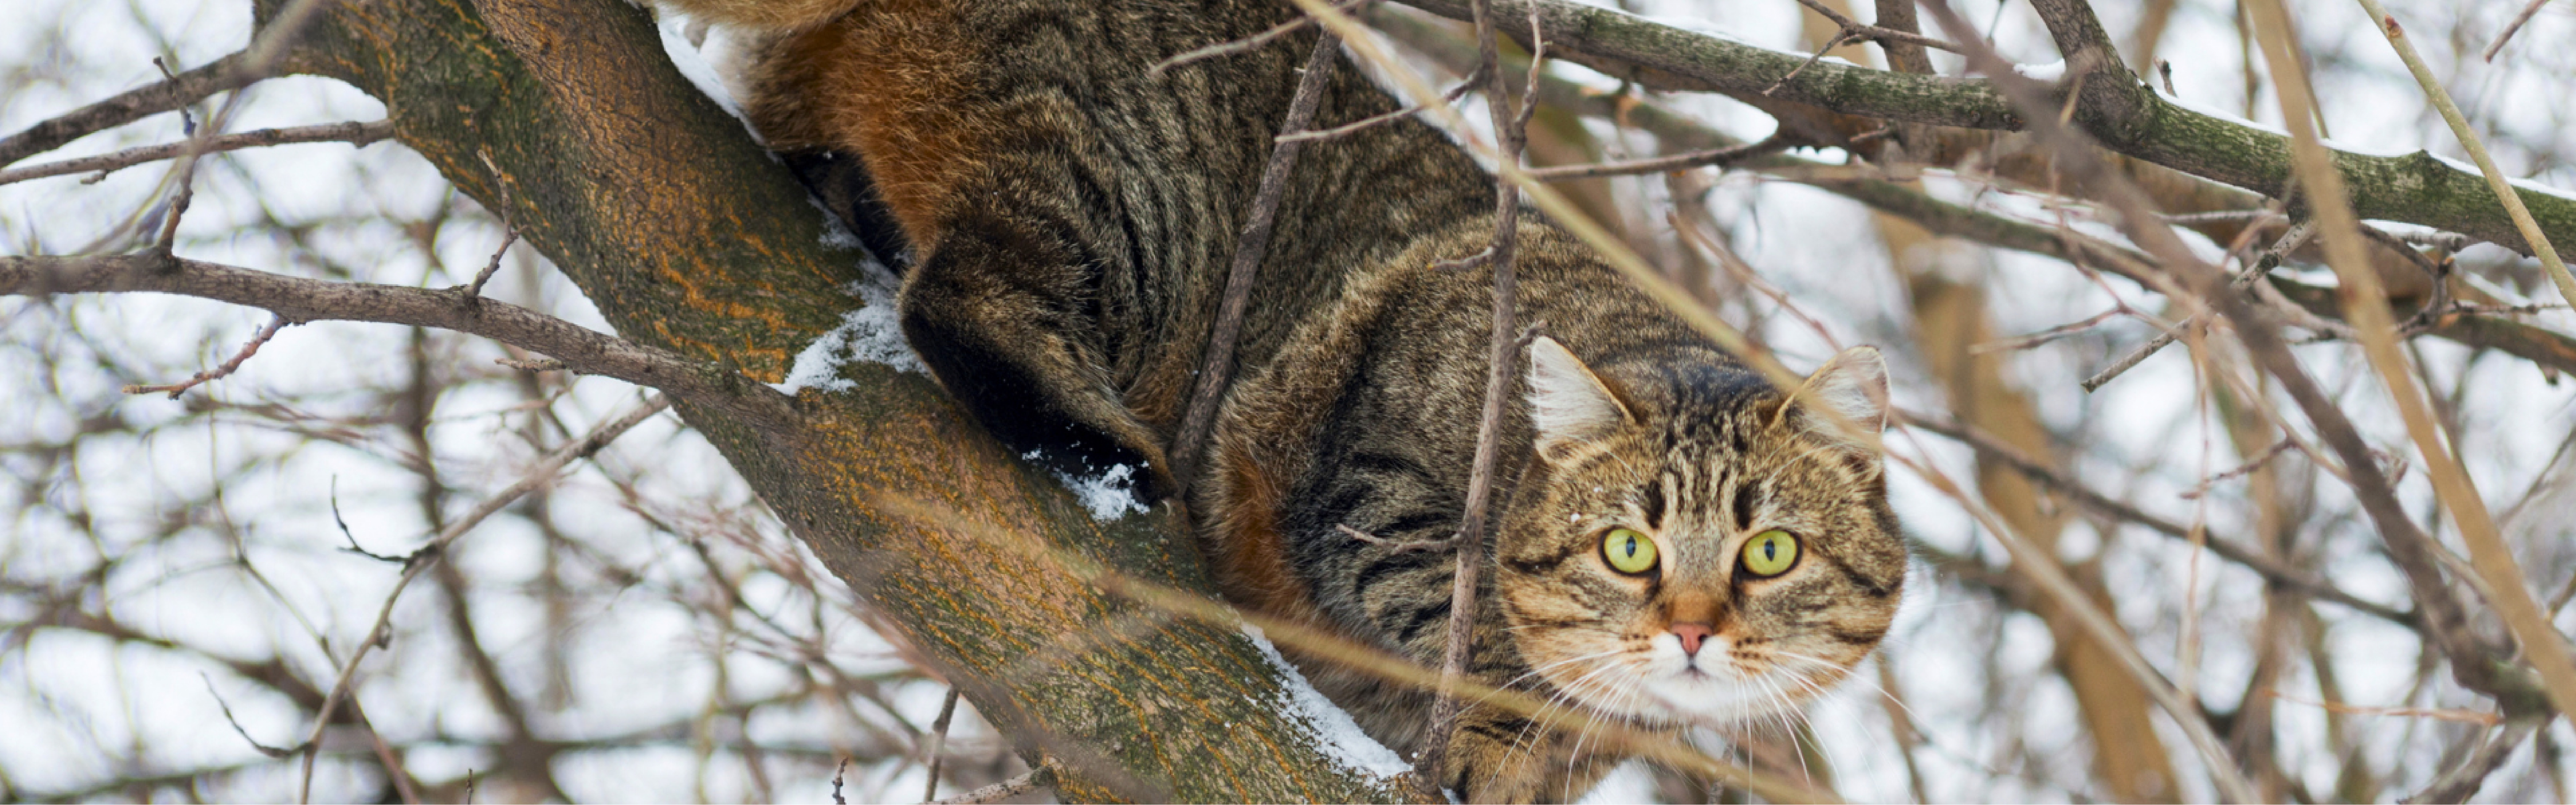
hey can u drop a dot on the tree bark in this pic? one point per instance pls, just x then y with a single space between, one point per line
690 239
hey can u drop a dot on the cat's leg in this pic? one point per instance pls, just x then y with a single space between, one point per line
1003 310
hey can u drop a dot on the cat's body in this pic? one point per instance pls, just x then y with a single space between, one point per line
1068 216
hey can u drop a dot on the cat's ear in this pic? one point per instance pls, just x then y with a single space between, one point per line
1569 405
1845 402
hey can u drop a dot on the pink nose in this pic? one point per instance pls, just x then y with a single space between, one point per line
1691 634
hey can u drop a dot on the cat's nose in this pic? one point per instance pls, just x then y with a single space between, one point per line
1692 634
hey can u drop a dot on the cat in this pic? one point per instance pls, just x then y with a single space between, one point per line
1680 541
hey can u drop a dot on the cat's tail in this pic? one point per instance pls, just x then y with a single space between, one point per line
766 15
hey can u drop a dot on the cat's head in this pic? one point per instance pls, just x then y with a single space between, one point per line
1691 543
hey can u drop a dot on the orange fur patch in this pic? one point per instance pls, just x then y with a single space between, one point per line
890 81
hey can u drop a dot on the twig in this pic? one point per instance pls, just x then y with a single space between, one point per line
2284 575
1683 161
1248 43
2290 241
220 371
839 769
2496 181
1503 354
222 74
2247 468
1216 369
1408 546
2462 716
2047 336
380 633
1042 775
272 752
352 132
509 232
354 547
936 741
1854 30
2511 28
1465 85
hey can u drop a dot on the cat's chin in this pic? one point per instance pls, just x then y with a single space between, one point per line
1712 696
1669 688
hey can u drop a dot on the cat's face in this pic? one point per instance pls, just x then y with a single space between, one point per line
1686 549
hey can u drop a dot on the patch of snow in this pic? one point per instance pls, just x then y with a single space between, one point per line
694 66
1107 495
2051 72
2471 169
1333 727
835 234
871 333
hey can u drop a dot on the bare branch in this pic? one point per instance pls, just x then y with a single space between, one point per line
1216 368
227 73
221 371
1683 161
351 132
299 300
2511 28
428 555
1040 776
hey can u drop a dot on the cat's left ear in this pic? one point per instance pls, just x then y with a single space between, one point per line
1569 405
1845 399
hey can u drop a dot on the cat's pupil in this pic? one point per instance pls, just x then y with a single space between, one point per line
1770 550
1631 547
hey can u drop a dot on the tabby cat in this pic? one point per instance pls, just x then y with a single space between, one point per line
1679 541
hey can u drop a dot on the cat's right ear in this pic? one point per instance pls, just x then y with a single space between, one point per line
1569 405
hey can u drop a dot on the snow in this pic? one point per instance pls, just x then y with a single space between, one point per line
694 65
1340 737
2051 72
1107 495
871 334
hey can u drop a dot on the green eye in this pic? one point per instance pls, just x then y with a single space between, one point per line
1771 553
1628 551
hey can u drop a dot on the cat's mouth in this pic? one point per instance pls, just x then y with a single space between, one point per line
1660 687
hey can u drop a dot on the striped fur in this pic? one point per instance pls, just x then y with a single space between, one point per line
1066 219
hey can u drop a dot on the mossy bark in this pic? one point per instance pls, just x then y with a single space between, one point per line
568 116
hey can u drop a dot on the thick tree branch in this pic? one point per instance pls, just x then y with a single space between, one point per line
2536 344
2124 116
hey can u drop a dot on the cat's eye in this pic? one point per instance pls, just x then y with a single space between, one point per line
1628 551
1771 553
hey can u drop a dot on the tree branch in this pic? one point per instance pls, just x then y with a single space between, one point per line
352 132
2121 115
299 300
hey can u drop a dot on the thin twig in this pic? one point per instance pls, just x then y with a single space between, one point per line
352 132
2437 714
2248 468
272 752
509 231
1854 30
935 743
1405 547
2290 241
1464 86
1248 43
1987 445
839 769
220 371
428 555
2511 28
1216 369
1663 164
